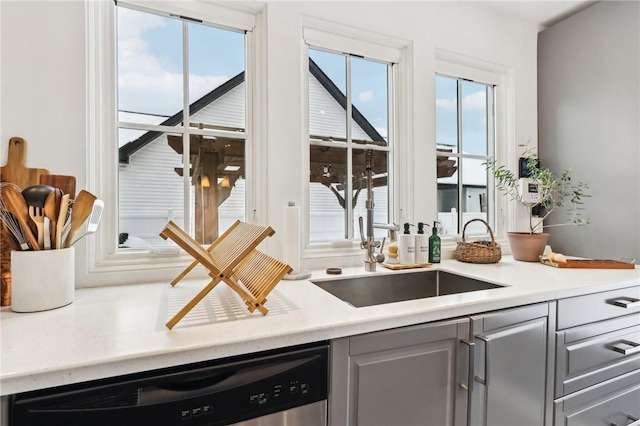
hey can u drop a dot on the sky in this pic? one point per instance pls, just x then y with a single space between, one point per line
151 73
150 79
150 68
474 116
368 85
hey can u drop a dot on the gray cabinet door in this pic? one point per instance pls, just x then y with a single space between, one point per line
513 384
406 376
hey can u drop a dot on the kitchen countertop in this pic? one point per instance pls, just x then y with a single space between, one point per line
110 331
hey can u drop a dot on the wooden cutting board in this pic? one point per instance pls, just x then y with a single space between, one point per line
15 171
66 183
589 264
397 266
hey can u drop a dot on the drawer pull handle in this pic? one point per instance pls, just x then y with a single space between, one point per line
634 421
469 385
625 303
487 355
623 347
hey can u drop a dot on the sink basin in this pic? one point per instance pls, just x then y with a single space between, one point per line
381 289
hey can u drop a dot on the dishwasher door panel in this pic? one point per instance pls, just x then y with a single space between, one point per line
314 414
215 393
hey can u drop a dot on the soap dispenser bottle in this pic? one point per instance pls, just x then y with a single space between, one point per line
422 245
434 245
407 246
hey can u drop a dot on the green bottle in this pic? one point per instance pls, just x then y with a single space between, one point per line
434 245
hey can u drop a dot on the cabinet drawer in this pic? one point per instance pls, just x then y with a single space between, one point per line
614 403
596 352
598 306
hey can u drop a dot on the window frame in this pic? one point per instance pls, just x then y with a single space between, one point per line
186 127
349 145
101 262
460 156
502 213
334 37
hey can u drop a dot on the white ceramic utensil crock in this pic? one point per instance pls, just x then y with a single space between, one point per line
42 280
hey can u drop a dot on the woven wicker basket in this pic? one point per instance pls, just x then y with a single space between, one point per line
478 251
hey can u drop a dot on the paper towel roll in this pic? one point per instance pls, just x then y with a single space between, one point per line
291 252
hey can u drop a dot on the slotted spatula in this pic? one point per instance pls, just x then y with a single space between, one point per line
82 206
94 219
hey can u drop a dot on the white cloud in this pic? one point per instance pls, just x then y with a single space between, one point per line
475 102
132 24
446 104
365 96
146 82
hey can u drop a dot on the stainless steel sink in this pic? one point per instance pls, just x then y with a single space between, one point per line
381 289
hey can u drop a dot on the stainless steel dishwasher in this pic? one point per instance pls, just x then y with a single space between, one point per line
282 387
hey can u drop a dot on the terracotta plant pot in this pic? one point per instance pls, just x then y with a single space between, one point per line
527 247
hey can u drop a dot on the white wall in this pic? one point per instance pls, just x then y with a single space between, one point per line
43 84
589 78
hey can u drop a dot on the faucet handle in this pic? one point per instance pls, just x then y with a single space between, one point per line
363 244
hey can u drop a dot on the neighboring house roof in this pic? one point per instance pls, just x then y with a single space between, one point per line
129 148
337 94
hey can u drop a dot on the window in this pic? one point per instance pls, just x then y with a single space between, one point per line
465 138
181 97
349 122
137 58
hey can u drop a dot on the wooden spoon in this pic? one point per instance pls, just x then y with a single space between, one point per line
17 206
82 206
62 218
52 210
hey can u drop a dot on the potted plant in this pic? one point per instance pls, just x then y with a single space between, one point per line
543 193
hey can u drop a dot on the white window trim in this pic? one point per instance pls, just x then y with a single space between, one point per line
99 262
333 36
501 77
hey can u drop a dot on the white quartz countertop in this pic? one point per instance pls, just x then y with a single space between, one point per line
110 331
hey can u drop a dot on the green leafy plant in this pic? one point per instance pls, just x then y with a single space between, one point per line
555 191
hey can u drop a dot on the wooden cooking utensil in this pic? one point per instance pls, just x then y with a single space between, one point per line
52 210
82 206
37 216
17 206
15 170
66 183
62 217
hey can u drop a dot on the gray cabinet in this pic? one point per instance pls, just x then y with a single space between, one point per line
406 376
598 359
420 375
513 385
614 402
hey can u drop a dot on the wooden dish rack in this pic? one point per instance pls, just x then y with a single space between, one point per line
234 259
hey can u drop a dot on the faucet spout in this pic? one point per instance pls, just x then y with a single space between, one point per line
393 229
